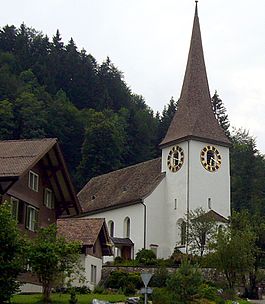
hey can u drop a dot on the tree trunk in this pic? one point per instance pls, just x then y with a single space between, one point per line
46 293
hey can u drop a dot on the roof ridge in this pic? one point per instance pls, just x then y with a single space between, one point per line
29 139
128 167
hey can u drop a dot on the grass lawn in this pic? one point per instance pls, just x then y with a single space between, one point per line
64 298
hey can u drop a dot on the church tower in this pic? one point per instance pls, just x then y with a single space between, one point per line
195 150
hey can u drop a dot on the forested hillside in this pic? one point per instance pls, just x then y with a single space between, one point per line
51 89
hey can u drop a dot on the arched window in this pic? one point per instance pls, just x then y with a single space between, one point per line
127 227
111 228
181 232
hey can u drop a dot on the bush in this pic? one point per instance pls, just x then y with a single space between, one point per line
99 289
146 257
185 283
83 289
123 280
159 278
161 296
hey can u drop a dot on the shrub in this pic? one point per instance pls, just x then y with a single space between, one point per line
121 279
83 289
98 289
159 278
185 283
161 296
146 257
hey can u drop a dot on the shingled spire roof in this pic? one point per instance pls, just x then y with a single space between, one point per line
195 118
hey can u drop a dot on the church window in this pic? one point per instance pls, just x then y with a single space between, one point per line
175 204
209 203
127 227
111 228
183 233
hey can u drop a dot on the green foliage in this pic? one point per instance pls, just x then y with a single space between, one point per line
124 280
47 87
185 283
220 113
161 296
201 228
233 253
146 257
12 253
64 298
159 277
52 258
247 174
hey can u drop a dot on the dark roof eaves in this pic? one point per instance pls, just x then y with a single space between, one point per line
113 207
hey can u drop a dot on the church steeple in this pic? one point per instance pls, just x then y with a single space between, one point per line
195 118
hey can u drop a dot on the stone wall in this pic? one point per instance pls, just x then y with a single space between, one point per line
209 274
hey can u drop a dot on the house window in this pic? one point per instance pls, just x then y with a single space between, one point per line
48 198
127 227
93 274
33 181
111 228
32 218
14 207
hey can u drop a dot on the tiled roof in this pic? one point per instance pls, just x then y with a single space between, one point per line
122 241
194 117
85 230
16 156
121 187
213 215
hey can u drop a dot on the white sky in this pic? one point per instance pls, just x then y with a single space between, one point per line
148 40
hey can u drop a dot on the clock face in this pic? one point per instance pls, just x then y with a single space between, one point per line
175 158
210 158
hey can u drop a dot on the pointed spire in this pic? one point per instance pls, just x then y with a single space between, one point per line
194 117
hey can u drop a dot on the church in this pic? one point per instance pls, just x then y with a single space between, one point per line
145 205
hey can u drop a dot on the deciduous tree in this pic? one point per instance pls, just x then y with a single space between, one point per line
52 258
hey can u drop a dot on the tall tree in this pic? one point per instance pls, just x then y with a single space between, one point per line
12 249
7 123
166 117
103 145
220 113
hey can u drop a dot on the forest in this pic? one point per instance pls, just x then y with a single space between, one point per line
51 89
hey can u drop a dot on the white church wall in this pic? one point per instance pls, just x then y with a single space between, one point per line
136 215
205 185
156 233
176 195
201 184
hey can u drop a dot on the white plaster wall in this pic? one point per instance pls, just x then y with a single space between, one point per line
202 185
86 261
175 189
91 260
205 184
30 288
136 215
156 213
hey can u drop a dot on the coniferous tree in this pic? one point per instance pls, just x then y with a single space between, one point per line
220 113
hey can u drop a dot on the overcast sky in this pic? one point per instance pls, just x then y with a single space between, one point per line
148 40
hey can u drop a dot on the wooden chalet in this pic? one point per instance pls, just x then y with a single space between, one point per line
34 178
